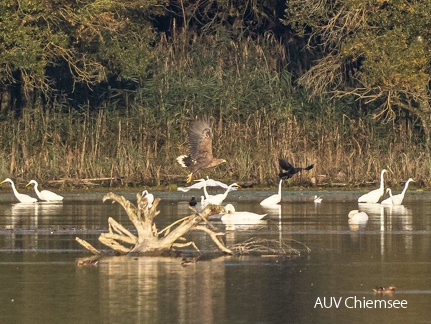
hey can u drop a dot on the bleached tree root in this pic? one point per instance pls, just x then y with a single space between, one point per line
150 241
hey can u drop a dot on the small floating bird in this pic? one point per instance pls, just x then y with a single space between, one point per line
44 195
189 261
373 196
233 216
396 200
274 199
150 197
218 199
21 197
357 216
193 202
200 148
317 199
382 290
288 170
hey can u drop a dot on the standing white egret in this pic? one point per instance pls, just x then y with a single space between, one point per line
218 199
274 199
45 195
373 196
150 197
233 216
21 197
396 200
357 216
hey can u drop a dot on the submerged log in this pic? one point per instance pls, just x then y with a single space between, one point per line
150 241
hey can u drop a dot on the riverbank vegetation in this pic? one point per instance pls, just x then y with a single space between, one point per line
101 90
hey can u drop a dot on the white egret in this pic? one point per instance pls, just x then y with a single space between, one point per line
373 196
201 183
233 216
150 197
274 199
218 199
21 197
317 199
357 216
44 195
396 200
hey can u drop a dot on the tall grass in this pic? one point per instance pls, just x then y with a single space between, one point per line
258 116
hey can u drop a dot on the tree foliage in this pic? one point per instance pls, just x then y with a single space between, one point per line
376 51
48 46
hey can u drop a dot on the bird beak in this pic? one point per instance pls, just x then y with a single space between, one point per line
27 184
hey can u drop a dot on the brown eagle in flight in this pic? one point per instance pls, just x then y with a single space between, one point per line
200 148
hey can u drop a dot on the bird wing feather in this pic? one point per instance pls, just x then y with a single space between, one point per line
284 165
200 139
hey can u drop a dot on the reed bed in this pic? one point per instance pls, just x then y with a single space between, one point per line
258 117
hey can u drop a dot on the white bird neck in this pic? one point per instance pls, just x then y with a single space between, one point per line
36 189
227 190
279 188
205 190
14 189
405 187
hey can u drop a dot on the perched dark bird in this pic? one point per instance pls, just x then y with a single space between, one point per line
193 202
200 148
287 170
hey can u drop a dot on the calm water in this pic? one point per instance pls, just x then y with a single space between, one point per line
40 282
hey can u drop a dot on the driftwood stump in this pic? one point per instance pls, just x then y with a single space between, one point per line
150 241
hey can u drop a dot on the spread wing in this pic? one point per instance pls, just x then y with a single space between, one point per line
201 139
284 165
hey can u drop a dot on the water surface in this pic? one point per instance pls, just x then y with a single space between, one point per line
42 284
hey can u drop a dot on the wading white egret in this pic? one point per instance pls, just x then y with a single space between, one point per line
44 195
357 216
373 196
233 216
21 197
287 170
200 148
149 196
396 200
218 199
274 199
